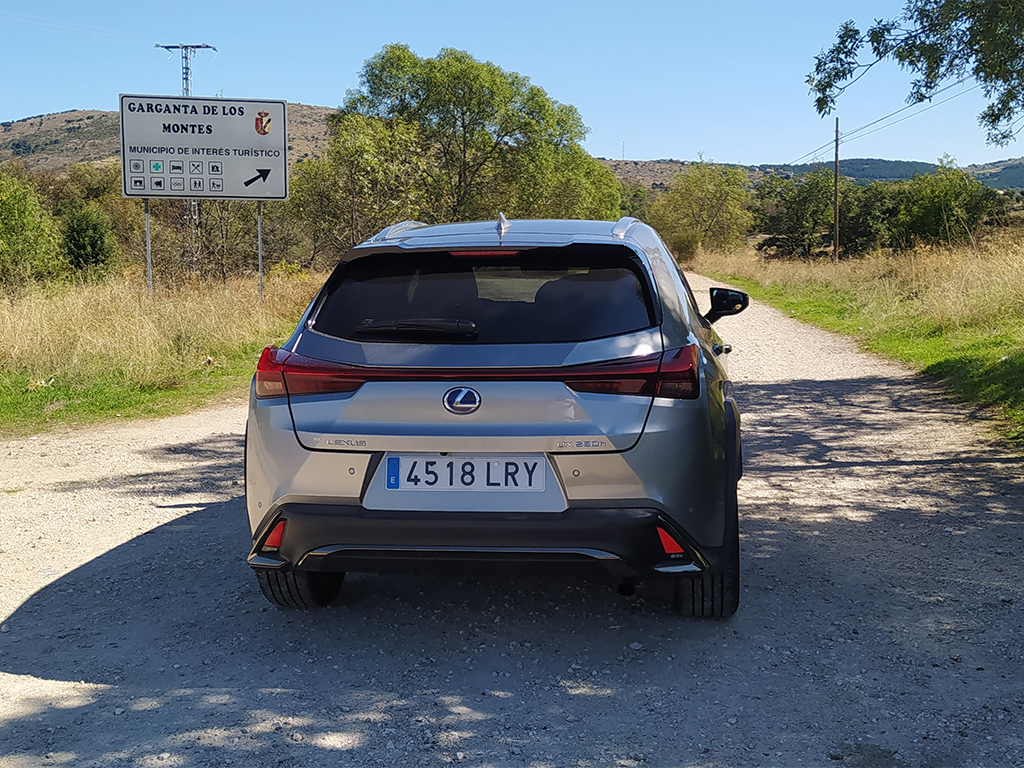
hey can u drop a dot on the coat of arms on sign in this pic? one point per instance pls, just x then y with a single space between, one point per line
262 123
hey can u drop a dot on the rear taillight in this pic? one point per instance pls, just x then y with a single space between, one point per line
672 374
632 376
269 373
679 376
280 373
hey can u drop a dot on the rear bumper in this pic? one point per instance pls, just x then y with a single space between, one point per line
622 540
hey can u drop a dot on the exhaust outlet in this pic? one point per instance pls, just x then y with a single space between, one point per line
627 588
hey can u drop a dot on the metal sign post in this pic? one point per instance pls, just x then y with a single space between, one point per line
149 254
259 241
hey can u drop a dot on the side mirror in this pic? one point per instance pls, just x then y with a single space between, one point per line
726 301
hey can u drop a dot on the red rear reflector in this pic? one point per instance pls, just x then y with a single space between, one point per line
670 545
273 541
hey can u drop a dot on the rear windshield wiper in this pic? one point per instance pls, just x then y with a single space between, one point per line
425 326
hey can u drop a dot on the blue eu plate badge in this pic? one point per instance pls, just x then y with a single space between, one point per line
394 473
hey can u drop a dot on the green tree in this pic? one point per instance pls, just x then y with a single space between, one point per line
938 41
635 200
945 207
555 182
871 225
797 214
948 206
705 208
83 186
492 138
374 174
75 188
87 241
29 239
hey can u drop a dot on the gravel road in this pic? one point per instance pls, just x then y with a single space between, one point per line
879 624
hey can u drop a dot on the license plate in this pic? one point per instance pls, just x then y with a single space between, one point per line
434 472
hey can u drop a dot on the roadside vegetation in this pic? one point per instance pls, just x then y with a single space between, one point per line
75 353
436 139
927 269
956 313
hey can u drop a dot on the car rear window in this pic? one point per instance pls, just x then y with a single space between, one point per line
542 295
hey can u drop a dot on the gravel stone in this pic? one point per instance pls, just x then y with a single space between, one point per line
852 645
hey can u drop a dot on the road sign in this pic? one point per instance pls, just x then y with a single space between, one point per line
222 149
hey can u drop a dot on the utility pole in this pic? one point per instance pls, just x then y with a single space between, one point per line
187 52
835 200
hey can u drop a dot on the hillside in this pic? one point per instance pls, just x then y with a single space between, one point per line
54 141
866 170
656 174
651 174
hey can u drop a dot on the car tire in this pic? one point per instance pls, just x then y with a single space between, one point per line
299 589
716 593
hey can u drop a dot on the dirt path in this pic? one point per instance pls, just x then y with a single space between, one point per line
879 624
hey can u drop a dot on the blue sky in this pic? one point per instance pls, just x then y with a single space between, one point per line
670 79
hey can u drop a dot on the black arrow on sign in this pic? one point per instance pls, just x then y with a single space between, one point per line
261 173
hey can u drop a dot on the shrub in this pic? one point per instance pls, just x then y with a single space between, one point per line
87 240
29 238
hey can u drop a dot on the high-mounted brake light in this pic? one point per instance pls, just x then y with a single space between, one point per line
483 254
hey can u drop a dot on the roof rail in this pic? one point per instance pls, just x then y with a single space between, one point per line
392 232
622 226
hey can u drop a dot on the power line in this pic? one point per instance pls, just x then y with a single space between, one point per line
904 109
56 25
813 152
849 134
894 122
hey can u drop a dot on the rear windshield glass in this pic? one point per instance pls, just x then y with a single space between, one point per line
567 294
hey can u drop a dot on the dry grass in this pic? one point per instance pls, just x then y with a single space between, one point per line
113 331
957 314
946 287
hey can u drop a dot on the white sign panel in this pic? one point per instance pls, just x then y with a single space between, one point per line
186 146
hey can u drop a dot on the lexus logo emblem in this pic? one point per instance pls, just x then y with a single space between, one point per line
461 400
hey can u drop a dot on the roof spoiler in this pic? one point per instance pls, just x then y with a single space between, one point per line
392 232
622 226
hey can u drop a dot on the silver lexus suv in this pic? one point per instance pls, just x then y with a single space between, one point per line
496 394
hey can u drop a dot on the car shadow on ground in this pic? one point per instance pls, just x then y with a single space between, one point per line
212 464
178 660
